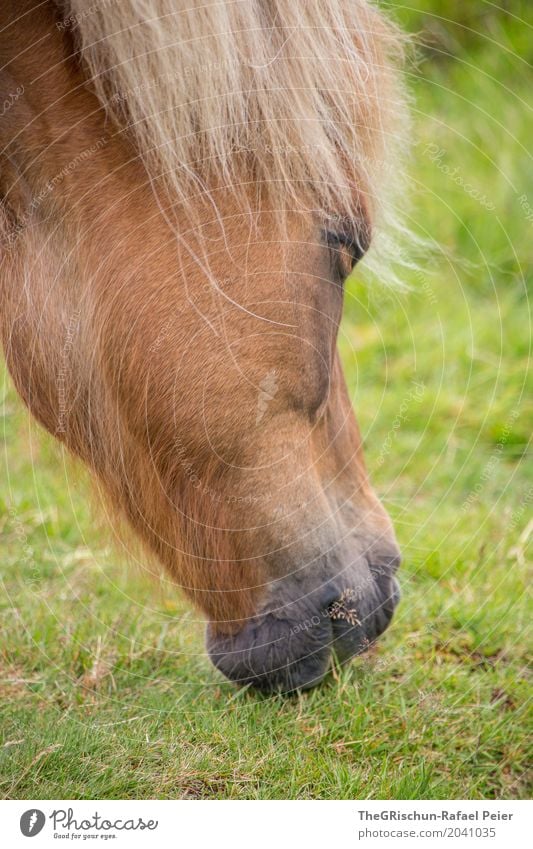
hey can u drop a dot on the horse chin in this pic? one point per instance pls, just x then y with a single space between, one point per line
276 651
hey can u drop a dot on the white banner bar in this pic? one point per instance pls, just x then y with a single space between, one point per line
254 825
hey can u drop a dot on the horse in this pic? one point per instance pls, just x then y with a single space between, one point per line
185 187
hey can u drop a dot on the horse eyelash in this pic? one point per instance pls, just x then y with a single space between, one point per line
338 240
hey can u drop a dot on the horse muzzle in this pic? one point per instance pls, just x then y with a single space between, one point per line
290 643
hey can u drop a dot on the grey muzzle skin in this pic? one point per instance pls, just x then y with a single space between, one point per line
289 644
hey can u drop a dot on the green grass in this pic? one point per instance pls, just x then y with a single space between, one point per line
105 689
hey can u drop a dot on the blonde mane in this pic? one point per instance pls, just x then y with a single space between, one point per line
301 98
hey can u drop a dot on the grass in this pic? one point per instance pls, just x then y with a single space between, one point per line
105 690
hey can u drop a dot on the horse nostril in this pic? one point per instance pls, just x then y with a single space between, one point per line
385 566
395 562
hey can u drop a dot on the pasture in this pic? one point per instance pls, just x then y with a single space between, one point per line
105 687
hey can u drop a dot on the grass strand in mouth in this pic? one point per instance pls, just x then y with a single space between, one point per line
344 608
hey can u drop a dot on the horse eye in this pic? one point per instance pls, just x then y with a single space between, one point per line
346 249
